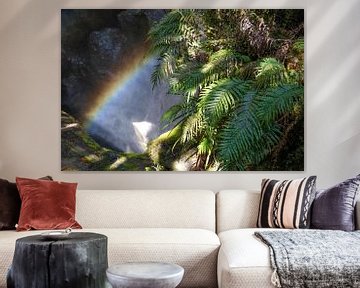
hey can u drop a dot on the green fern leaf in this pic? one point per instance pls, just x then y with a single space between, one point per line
163 69
192 127
240 133
205 147
270 73
279 100
173 113
220 97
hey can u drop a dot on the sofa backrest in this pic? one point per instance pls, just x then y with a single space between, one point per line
239 209
146 209
236 209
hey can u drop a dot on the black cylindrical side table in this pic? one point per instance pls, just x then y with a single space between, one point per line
78 261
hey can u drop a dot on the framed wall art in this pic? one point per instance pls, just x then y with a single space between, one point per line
182 90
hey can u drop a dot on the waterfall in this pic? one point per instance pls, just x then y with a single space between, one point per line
131 116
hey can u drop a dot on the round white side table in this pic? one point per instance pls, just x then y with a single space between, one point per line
145 275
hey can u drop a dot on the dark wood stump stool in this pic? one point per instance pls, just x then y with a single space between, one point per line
79 261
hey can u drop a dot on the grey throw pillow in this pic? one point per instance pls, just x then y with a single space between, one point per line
334 208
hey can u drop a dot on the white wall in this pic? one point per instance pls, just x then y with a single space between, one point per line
30 95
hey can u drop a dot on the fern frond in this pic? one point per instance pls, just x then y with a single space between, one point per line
189 81
269 138
205 146
171 31
220 97
278 100
270 73
222 61
192 126
179 113
168 27
158 74
240 133
163 69
172 114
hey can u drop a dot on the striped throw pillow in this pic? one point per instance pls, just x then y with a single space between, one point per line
286 204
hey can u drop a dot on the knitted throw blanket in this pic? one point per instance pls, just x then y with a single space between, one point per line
313 258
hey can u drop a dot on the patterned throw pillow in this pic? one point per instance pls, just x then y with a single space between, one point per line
286 204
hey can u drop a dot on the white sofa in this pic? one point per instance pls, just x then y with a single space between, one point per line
175 226
243 261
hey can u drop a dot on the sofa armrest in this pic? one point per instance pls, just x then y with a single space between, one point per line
357 215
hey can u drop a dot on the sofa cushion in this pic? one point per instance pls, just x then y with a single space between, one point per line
244 261
286 204
236 209
194 249
46 204
334 208
153 209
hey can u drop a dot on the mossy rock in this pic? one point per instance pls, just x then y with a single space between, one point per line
163 151
169 154
79 152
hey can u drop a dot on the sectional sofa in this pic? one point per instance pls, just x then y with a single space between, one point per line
209 234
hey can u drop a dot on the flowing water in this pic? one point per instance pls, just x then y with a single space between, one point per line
131 116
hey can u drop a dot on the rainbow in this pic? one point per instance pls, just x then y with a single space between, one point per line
126 72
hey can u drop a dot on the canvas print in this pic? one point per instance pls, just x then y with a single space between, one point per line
182 90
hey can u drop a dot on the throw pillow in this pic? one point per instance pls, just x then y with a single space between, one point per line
334 208
10 203
286 204
46 204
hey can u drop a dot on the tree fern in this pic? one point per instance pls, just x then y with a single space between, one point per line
236 109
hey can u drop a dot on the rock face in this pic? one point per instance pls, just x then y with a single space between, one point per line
105 49
106 76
